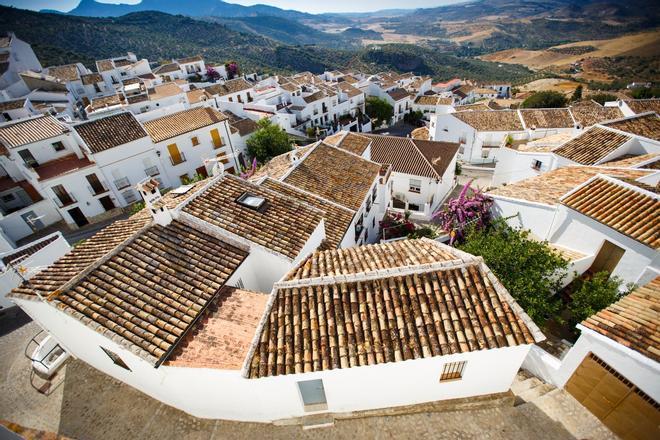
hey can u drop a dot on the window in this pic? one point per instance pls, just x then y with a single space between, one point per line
537 164
28 158
313 395
452 371
115 359
217 139
239 284
194 140
415 186
251 201
8 198
58 146
413 207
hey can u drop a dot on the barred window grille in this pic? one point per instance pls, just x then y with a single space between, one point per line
452 371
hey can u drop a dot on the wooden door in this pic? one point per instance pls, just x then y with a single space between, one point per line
217 139
175 154
617 402
608 257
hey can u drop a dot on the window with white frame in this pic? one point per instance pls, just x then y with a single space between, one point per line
537 164
415 186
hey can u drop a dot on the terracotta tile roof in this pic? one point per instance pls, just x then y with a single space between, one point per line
547 118
491 120
107 101
91 78
421 133
67 72
284 226
376 317
278 166
167 68
549 187
193 59
592 146
433 100
223 336
355 143
335 175
646 161
413 156
12 105
79 258
644 105
149 292
61 166
28 131
197 95
314 97
337 219
185 121
111 131
20 254
351 91
588 113
646 125
359 259
104 65
481 105
633 320
399 94
623 207
232 86
164 91
484 91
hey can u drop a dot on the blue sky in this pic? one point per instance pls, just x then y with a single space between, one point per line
307 6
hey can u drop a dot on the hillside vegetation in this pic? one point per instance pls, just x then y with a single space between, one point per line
59 39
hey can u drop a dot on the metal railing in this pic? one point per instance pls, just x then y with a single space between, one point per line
64 200
122 183
152 171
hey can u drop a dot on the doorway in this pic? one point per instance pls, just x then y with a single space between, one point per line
607 258
107 203
78 217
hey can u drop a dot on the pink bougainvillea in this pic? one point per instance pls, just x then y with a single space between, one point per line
247 173
464 211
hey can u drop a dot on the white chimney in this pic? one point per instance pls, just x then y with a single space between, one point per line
149 191
293 157
214 167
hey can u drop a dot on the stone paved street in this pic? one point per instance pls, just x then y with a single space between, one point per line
90 405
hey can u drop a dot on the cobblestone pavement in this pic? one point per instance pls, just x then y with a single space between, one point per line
91 405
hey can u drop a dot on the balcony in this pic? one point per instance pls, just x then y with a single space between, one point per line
152 171
178 160
97 189
122 183
64 199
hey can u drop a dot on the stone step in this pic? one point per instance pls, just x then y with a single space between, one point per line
521 386
532 394
318 421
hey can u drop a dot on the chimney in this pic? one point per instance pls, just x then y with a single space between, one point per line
149 191
293 157
214 167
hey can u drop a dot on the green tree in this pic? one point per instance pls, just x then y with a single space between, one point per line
577 94
593 294
645 93
414 118
267 141
529 269
379 110
602 98
545 99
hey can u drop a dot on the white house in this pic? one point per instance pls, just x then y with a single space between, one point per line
16 56
117 69
401 101
601 214
432 104
630 107
627 138
613 368
16 109
422 173
192 66
18 264
259 368
185 139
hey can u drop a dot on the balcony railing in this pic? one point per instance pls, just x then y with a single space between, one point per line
63 200
122 183
96 190
152 171
177 161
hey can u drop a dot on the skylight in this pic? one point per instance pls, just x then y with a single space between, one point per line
251 201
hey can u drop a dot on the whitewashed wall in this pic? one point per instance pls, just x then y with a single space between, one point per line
16 228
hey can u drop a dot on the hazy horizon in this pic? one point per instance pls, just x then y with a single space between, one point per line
311 7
